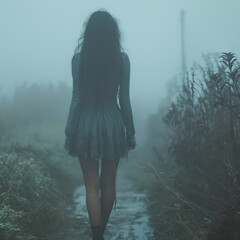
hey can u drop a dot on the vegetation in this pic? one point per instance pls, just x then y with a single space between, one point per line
37 178
203 190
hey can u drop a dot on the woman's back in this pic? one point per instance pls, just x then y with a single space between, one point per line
100 93
101 122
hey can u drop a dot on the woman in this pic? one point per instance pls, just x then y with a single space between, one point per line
97 127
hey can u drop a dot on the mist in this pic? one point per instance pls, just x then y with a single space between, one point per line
38 39
37 43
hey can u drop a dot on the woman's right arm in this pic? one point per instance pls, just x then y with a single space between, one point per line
125 104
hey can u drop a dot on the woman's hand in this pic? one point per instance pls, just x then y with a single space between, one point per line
131 142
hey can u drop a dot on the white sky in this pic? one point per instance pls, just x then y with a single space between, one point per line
38 38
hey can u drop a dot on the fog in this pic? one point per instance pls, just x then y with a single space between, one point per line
182 178
38 38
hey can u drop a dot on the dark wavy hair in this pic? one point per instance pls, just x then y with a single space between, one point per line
100 53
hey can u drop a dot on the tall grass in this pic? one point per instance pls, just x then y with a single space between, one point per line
204 141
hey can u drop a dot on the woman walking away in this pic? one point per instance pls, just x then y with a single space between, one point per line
97 126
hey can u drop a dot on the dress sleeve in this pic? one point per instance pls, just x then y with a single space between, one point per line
124 97
72 120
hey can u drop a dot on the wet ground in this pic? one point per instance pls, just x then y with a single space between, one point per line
130 220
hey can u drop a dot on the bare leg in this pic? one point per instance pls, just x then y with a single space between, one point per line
108 187
90 170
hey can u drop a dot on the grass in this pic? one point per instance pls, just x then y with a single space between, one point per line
37 181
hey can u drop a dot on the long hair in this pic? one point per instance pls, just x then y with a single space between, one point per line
100 54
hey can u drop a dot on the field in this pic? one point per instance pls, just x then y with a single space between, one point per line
188 168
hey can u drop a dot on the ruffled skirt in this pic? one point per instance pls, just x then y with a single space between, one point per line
100 133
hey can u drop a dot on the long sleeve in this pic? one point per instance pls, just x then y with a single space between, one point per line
76 99
124 98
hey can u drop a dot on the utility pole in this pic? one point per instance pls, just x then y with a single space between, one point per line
183 60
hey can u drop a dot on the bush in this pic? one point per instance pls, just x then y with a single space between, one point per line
32 199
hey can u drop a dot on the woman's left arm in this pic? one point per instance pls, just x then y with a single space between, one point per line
74 110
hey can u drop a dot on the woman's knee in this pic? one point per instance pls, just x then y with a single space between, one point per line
92 188
92 181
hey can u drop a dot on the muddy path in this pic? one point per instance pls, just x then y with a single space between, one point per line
129 221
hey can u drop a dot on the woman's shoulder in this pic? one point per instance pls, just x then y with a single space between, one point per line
76 57
124 55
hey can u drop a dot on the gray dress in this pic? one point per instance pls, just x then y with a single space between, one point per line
103 131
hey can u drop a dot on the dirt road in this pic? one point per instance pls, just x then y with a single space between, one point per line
130 220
